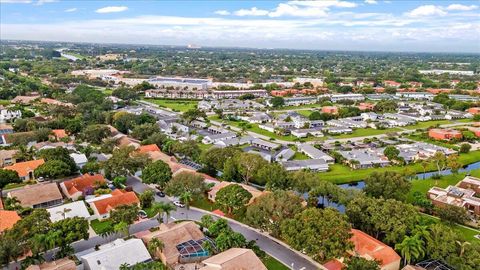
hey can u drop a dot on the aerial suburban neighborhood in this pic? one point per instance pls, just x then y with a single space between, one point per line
233 156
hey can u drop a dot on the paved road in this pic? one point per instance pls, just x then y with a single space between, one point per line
271 246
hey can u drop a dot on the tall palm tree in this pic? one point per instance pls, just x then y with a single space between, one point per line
167 208
124 266
462 246
121 227
411 248
157 208
186 198
154 246
24 153
423 232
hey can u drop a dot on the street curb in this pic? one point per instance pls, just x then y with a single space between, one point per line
266 235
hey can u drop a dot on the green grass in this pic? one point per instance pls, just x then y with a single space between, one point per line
340 174
272 264
203 203
99 226
300 156
420 138
4 102
15 185
175 105
428 124
361 132
204 147
305 113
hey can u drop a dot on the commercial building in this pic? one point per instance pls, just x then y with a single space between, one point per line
444 134
180 83
238 93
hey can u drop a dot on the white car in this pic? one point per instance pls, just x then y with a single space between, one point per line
179 204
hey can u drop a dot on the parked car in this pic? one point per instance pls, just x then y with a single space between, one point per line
142 214
40 179
179 204
160 194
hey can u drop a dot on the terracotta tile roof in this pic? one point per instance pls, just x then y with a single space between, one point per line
8 219
334 265
23 168
148 148
83 182
5 126
234 259
36 194
368 247
60 133
106 205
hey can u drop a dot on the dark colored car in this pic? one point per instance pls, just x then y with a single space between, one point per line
160 194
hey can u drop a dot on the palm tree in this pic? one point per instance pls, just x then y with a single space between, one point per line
121 227
411 248
124 266
154 246
423 232
167 208
158 208
186 198
462 246
424 163
64 212
24 153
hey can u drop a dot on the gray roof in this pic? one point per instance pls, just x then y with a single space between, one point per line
313 152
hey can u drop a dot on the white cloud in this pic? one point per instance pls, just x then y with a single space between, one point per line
371 2
41 2
251 12
222 12
111 9
324 4
426 10
15 1
461 7
294 10
71 10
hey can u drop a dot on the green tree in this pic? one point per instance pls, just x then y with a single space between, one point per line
215 157
53 169
188 148
452 214
321 234
61 154
193 114
465 148
391 152
147 198
125 161
230 239
155 246
119 181
389 185
8 177
268 211
359 263
274 175
144 131
95 133
158 173
249 164
90 167
124 213
185 182
277 102
232 198
411 248
162 208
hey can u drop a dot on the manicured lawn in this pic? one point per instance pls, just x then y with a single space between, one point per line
300 156
361 132
204 147
305 113
15 185
428 124
99 226
340 174
272 264
175 105
417 137
4 102
203 203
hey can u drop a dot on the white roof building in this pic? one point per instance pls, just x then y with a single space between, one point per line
116 253
69 210
80 159
314 153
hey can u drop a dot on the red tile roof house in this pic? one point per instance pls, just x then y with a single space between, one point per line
102 208
366 106
474 110
26 169
81 186
391 84
330 109
59 134
8 219
444 134
369 248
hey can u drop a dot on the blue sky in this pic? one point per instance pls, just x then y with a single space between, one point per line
437 26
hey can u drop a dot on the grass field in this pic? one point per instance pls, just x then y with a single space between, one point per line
361 132
4 102
340 174
175 105
272 264
99 226
428 124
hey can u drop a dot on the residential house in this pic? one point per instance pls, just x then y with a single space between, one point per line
26 169
24 99
9 115
7 157
148 148
354 97
59 134
297 101
60 264
314 153
474 110
415 95
209 139
38 196
284 154
365 158
304 132
218 94
391 84
444 134
79 159
69 210
234 141
115 254
265 145
183 243
330 109
465 194
234 259
8 219
311 164
82 186
5 129
102 208
364 106
420 151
